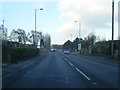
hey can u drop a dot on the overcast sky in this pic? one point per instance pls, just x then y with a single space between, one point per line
58 17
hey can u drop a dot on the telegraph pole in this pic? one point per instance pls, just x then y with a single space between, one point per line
112 44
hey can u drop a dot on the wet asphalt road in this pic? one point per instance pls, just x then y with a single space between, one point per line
59 70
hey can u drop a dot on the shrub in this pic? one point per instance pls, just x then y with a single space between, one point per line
20 53
6 54
101 48
10 54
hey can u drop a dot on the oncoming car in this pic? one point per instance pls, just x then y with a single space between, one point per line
66 52
53 50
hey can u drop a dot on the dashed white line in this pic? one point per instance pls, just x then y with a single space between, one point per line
83 74
70 63
65 59
77 69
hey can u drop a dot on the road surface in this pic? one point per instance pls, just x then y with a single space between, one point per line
59 70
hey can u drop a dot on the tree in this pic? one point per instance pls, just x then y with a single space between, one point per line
13 36
75 43
67 45
18 35
88 41
21 36
47 41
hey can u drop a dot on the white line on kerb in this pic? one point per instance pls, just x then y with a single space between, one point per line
83 74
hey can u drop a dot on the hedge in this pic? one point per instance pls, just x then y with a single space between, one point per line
101 48
21 53
6 54
10 54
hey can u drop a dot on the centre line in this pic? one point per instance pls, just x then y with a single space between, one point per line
83 74
77 69
70 63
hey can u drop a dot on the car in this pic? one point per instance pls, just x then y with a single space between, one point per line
66 52
53 50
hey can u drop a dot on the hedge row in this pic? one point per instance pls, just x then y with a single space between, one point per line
101 48
6 51
19 53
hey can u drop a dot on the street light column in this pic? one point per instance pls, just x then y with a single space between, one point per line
35 41
79 36
79 30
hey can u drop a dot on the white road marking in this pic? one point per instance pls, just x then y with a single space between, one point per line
83 74
77 69
65 58
70 63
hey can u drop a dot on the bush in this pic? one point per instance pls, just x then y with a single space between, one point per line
10 54
101 48
20 53
6 54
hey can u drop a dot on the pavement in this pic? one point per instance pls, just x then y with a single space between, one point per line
12 69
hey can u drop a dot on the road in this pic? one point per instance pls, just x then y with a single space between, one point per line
59 70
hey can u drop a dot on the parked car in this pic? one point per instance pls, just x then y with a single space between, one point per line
66 52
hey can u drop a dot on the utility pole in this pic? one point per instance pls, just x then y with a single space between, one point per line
112 44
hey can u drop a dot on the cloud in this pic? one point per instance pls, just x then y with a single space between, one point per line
93 14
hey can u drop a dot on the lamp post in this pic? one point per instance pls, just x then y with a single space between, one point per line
79 29
79 37
35 42
71 37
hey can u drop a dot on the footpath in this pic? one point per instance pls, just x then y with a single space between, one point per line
12 72
9 70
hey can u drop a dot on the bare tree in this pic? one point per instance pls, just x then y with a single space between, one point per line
47 41
18 36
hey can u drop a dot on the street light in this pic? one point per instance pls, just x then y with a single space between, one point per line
79 37
79 29
35 27
71 37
